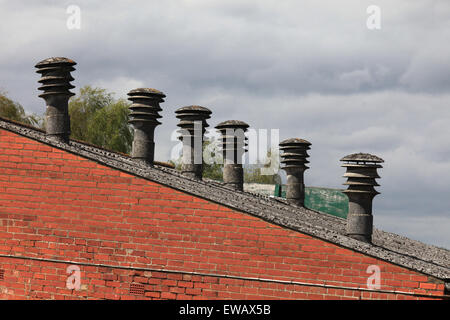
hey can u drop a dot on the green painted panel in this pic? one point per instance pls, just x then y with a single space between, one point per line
331 201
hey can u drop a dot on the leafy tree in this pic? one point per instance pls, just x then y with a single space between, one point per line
12 110
96 117
254 173
213 170
210 171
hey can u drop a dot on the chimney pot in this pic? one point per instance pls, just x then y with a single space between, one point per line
294 163
143 117
55 80
192 129
234 142
361 174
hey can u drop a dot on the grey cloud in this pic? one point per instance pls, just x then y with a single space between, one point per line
428 229
311 69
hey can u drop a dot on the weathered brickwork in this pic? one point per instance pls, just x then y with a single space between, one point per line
67 210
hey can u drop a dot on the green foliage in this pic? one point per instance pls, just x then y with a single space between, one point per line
254 173
176 163
96 117
12 110
213 171
210 171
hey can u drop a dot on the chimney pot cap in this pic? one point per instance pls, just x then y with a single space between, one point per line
55 61
196 108
294 141
232 124
362 157
147 91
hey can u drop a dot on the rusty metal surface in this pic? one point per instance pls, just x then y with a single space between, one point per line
294 141
55 61
234 124
362 157
147 91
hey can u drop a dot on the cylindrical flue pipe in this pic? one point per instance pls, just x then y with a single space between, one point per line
233 142
361 174
192 130
55 80
294 163
143 117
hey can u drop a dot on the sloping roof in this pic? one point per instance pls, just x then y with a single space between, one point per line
399 250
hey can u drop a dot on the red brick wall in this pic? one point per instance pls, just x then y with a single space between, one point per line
67 210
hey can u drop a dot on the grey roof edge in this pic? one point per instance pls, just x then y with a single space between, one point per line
399 250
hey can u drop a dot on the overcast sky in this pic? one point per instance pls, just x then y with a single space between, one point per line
309 68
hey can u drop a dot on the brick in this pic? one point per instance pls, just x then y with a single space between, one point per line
168 295
153 294
185 284
63 207
428 286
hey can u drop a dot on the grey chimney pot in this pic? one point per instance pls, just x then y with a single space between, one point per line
233 144
144 112
361 174
294 160
192 118
55 80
